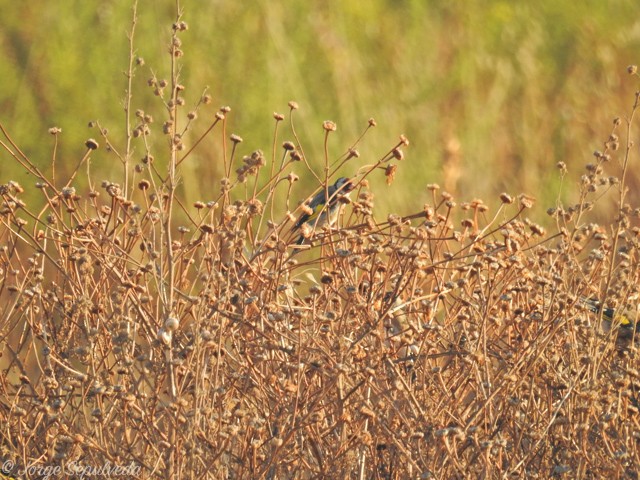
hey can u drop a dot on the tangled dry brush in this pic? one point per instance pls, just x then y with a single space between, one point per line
189 340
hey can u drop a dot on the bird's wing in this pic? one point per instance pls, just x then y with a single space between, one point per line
316 205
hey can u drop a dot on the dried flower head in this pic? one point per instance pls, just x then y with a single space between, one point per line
390 173
91 144
506 198
329 126
526 201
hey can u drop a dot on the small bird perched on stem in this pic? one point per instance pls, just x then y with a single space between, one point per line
623 318
323 208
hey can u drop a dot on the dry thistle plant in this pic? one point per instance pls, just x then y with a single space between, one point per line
187 341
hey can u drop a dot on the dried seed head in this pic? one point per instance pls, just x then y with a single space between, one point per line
235 138
278 116
17 188
481 207
329 126
562 167
293 105
68 192
506 198
255 207
526 201
372 122
467 223
91 144
390 173
537 229
326 279
632 69
55 130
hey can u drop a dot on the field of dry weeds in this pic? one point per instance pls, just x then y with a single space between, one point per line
186 340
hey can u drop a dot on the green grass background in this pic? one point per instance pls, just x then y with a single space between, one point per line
502 89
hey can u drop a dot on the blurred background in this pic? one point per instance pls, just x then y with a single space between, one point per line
491 94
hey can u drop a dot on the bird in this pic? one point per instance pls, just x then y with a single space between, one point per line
623 318
323 207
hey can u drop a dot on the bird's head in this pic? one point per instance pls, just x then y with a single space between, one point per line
344 185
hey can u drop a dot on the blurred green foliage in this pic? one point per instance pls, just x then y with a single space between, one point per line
491 94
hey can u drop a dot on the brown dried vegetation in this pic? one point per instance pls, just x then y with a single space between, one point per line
186 339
